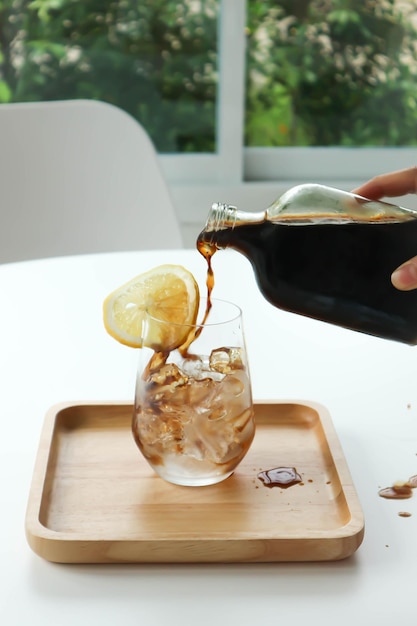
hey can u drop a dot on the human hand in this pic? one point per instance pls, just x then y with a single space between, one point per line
396 183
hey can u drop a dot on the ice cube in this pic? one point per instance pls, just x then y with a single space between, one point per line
169 374
196 367
199 368
234 385
226 359
243 420
201 395
217 413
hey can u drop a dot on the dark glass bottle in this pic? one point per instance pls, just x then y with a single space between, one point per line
326 254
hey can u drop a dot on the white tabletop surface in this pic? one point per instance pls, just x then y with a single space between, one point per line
53 348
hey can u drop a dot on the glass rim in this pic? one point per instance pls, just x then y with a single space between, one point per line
227 319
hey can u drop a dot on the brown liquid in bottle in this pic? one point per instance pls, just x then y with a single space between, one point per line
325 270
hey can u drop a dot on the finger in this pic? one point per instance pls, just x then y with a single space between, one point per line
405 276
393 184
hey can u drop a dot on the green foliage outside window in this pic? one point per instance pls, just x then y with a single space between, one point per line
332 72
319 72
156 60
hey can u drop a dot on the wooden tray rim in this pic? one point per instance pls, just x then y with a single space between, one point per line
35 530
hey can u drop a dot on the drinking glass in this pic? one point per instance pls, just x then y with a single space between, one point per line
193 416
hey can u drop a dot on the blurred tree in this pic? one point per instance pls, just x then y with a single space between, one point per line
331 72
320 72
156 60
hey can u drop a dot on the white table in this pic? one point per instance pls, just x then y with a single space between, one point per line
53 348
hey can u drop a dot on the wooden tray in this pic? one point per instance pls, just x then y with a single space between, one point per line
94 499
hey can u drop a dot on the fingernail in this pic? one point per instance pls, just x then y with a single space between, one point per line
405 277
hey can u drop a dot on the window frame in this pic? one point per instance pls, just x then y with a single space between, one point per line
234 163
226 164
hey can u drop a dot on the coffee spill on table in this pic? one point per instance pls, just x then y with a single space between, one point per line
283 477
399 490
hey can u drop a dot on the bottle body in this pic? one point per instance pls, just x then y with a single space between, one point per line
328 262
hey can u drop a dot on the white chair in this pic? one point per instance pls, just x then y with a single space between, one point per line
79 177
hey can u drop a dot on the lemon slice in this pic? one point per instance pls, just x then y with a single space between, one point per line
167 292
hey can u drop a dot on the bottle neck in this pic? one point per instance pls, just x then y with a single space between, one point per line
222 216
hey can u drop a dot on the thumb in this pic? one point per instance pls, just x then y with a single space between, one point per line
405 276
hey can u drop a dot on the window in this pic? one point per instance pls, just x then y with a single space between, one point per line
324 73
232 90
331 75
156 60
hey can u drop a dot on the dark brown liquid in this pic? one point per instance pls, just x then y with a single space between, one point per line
396 493
399 491
338 273
207 249
283 477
